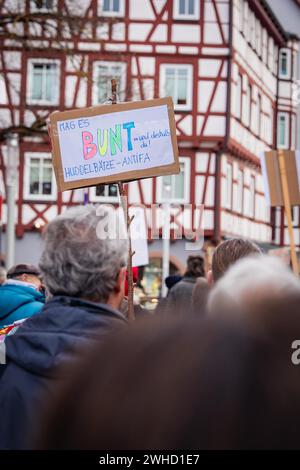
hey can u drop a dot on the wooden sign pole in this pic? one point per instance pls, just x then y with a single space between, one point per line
287 209
128 221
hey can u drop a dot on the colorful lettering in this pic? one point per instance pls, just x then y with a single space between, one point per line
115 139
89 148
103 146
128 126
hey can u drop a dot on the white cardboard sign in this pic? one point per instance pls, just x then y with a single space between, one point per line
114 143
139 238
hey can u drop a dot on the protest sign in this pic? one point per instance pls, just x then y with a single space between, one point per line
273 179
105 144
280 171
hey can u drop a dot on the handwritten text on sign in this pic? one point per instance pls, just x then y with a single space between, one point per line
114 143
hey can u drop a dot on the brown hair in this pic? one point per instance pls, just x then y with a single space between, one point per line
228 252
195 267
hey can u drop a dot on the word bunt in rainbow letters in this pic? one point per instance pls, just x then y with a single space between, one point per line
99 145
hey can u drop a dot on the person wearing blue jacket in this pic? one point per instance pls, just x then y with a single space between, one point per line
21 296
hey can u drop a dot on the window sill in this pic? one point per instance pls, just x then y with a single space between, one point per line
111 14
185 19
41 103
172 201
184 110
40 197
112 199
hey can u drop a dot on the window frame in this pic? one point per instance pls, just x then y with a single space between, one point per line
162 80
271 47
30 63
252 26
258 38
248 101
240 189
123 79
252 195
241 16
264 48
187 176
94 198
239 94
119 14
33 8
259 115
228 203
26 188
186 17
284 146
246 20
288 64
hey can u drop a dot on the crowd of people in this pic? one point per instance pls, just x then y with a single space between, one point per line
211 368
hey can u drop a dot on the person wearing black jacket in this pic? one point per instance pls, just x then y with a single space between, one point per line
179 300
84 272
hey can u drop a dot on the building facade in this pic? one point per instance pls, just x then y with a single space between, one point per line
228 65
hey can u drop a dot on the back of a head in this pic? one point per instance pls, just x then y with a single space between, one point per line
84 253
195 267
19 269
249 285
150 389
189 385
228 252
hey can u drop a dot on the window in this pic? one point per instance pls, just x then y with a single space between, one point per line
103 72
284 63
270 53
252 197
111 7
240 191
248 104
264 46
258 38
186 10
252 30
42 6
238 110
258 116
269 125
228 195
39 177
241 16
104 192
176 81
175 188
246 19
283 131
295 66
43 82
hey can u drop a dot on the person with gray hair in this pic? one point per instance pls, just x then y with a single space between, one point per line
83 268
81 258
252 285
